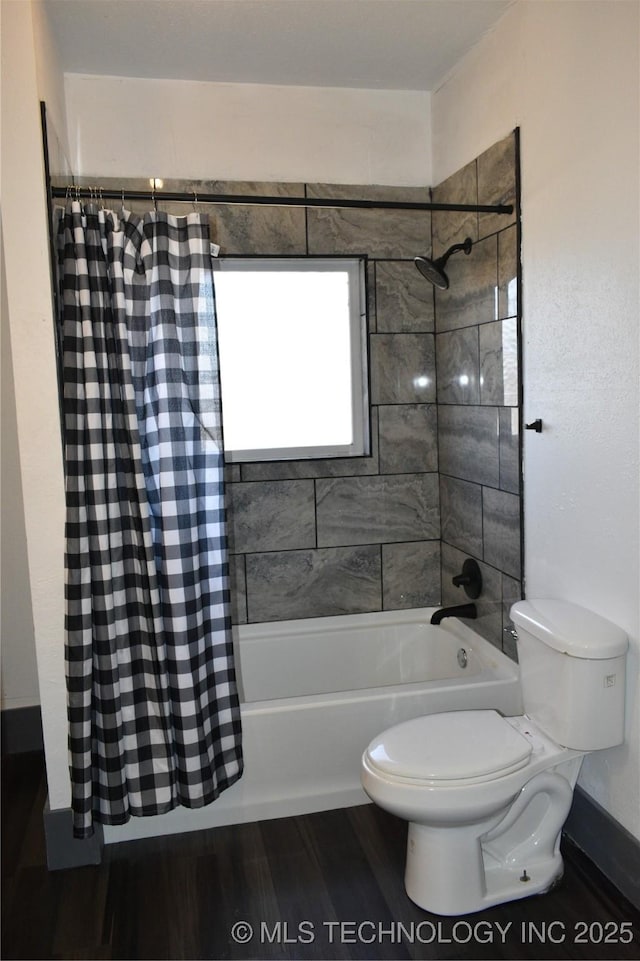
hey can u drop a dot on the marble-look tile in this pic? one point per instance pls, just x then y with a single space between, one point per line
499 363
452 226
489 605
319 467
372 321
497 184
511 592
238 229
138 184
461 514
457 366
402 369
270 516
408 438
508 272
238 589
258 229
472 297
452 559
138 207
410 575
232 473
404 300
377 510
313 583
468 443
509 646
379 233
501 531
510 450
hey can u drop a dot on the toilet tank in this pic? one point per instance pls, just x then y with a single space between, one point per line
572 666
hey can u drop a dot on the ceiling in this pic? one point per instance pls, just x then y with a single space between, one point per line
377 44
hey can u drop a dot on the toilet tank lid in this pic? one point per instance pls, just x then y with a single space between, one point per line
570 629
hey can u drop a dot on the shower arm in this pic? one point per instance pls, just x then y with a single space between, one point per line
465 245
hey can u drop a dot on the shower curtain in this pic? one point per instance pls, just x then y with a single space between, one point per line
154 719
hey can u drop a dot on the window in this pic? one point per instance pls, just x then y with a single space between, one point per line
293 357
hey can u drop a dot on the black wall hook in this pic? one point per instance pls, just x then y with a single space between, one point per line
534 425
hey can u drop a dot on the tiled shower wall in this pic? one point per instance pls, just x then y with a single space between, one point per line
320 537
388 531
478 388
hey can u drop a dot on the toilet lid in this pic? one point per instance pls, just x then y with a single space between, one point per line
454 746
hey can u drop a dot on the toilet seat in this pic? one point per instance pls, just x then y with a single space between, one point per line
450 749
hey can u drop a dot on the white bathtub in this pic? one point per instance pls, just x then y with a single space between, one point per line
315 692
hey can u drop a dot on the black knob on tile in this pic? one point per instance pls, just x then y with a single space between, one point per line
470 578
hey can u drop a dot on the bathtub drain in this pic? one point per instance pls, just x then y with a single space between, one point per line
462 657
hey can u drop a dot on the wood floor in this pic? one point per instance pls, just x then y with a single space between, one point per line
322 886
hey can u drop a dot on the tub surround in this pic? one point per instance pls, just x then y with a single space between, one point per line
339 536
478 376
327 537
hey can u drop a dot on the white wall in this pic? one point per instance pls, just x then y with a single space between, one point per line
50 84
124 127
19 671
28 300
567 74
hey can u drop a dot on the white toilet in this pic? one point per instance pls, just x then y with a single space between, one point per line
486 796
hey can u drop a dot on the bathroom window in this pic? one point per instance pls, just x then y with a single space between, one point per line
293 357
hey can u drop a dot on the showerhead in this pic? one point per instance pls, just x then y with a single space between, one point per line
433 270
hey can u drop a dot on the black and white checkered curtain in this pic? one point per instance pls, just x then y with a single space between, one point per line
154 719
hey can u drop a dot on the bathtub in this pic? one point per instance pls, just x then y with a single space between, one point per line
315 692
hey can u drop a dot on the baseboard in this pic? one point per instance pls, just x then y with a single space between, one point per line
21 730
63 850
611 847
21 733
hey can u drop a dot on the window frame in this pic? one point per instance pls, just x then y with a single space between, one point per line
356 268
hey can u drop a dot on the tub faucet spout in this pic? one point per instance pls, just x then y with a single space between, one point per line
460 610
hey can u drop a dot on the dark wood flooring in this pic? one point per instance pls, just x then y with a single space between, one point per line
325 886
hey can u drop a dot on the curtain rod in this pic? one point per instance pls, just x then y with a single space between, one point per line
98 194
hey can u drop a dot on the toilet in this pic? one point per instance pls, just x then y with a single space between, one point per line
486 796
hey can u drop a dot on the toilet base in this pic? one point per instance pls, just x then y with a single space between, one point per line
448 875
513 854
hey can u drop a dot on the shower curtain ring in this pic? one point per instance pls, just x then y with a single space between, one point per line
195 200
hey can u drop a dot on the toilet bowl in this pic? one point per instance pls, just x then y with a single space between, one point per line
486 796
455 777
